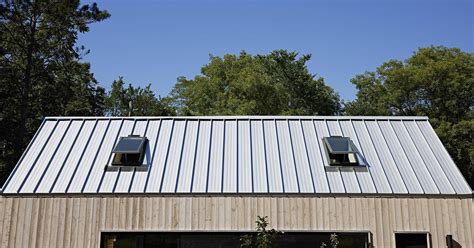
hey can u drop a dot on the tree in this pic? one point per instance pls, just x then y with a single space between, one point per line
40 69
458 139
143 101
265 237
275 84
437 82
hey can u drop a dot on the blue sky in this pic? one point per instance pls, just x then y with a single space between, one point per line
157 41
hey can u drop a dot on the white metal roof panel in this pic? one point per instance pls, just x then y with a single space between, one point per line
333 174
229 165
273 160
416 161
139 177
447 164
86 161
201 161
370 154
400 158
385 157
305 175
259 162
238 154
63 178
315 157
214 178
101 157
364 177
290 178
348 175
124 179
109 178
56 161
244 158
428 157
186 168
48 152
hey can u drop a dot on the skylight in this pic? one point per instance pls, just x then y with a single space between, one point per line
129 151
341 151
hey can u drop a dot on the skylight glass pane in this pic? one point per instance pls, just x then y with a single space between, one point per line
339 144
129 145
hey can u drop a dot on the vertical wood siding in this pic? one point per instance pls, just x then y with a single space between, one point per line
78 221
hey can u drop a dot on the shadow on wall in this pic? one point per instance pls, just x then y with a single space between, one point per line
456 244
451 243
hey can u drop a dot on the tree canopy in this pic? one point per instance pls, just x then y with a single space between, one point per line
275 84
437 82
40 69
135 101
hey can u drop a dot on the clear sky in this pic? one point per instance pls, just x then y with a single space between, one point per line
157 41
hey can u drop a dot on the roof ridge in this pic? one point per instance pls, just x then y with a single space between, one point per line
243 117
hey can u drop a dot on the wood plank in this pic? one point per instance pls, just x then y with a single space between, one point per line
40 231
2 216
81 225
386 221
54 222
467 221
433 223
7 216
95 220
68 221
30 230
379 222
14 223
457 209
20 223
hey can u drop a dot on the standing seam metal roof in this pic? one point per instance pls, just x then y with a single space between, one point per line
237 154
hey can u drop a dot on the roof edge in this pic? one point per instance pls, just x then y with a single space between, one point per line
249 194
241 117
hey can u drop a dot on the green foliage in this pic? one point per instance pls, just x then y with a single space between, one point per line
265 237
437 82
40 71
459 139
334 240
144 102
275 84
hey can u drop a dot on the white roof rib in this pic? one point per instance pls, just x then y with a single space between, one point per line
237 154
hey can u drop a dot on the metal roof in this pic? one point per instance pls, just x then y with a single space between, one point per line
237 154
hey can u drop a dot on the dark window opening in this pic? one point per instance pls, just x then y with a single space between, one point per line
342 151
230 240
411 240
129 151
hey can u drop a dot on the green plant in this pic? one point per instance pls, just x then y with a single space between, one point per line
334 239
265 237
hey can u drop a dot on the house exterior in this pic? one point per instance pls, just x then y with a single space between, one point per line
202 182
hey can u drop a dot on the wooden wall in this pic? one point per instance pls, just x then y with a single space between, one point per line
78 221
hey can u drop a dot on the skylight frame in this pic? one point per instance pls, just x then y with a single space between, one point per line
138 152
351 151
